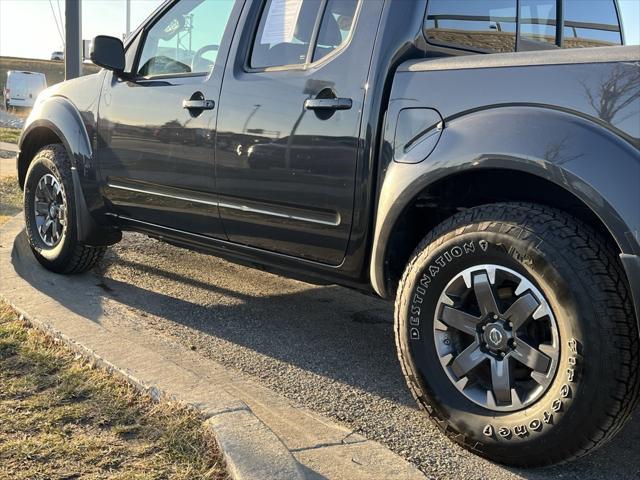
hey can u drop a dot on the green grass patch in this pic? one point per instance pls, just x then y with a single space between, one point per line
10 135
61 418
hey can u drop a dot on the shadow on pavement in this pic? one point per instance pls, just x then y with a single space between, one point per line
330 331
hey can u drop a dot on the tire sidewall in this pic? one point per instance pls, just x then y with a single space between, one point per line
548 421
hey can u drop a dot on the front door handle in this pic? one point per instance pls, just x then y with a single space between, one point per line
328 104
198 104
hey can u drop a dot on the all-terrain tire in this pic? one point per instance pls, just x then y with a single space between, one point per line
67 255
596 381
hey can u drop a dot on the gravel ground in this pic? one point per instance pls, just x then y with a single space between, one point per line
326 348
10 120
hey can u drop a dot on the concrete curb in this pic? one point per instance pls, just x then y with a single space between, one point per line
9 147
261 434
250 449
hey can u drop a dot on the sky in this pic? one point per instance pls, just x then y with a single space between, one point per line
36 36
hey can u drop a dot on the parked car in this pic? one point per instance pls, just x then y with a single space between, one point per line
59 56
22 88
467 161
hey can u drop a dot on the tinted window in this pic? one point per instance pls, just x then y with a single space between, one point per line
337 23
186 39
484 26
538 20
590 23
284 32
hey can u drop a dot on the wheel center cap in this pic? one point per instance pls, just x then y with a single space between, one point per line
53 210
496 337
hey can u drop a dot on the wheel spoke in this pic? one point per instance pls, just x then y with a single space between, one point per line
468 359
501 380
44 228
459 320
521 310
46 189
531 357
56 230
42 207
484 294
50 209
512 355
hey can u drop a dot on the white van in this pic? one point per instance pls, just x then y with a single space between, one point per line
22 88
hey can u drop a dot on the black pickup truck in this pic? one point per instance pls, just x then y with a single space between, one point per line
478 161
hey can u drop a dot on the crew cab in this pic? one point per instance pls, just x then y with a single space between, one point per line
475 161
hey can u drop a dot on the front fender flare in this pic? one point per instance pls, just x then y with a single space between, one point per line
61 117
58 115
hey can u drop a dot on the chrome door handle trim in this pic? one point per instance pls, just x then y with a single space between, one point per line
198 104
328 104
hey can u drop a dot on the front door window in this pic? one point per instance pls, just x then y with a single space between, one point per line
186 39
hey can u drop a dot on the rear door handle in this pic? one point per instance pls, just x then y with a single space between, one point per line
198 104
328 104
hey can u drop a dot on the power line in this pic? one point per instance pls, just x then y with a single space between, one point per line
60 15
56 20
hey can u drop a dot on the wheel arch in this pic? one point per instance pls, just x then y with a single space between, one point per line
37 137
506 152
405 226
57 120
54 120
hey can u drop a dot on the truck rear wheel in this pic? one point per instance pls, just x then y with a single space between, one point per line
49 210
516 334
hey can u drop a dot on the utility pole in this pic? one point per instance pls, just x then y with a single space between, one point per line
73 39
128 18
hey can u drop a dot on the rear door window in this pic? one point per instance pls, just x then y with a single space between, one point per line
482 26
284 33
336 27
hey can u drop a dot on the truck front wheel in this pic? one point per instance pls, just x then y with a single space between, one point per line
50 214
517 336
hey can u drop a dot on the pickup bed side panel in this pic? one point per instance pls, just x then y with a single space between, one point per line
557 122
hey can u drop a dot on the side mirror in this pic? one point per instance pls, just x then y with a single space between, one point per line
108 52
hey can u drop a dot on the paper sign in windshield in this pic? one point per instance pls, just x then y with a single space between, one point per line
281 21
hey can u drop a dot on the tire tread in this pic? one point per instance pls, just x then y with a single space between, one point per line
607 283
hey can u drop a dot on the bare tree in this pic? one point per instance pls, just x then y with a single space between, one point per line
614 93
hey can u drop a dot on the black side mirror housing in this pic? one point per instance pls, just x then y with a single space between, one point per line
108 52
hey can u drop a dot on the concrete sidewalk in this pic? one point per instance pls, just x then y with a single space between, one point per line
262 434
8 162
9 147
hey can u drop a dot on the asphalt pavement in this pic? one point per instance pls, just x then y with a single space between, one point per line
327 348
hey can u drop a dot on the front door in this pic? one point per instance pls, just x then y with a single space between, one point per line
289 125
157 124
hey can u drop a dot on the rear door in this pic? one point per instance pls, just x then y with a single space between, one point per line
289 125
19 87
157 126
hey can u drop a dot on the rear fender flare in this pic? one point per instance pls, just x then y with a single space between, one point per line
589 161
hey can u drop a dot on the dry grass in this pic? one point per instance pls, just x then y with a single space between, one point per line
10 135
60 418
10 198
